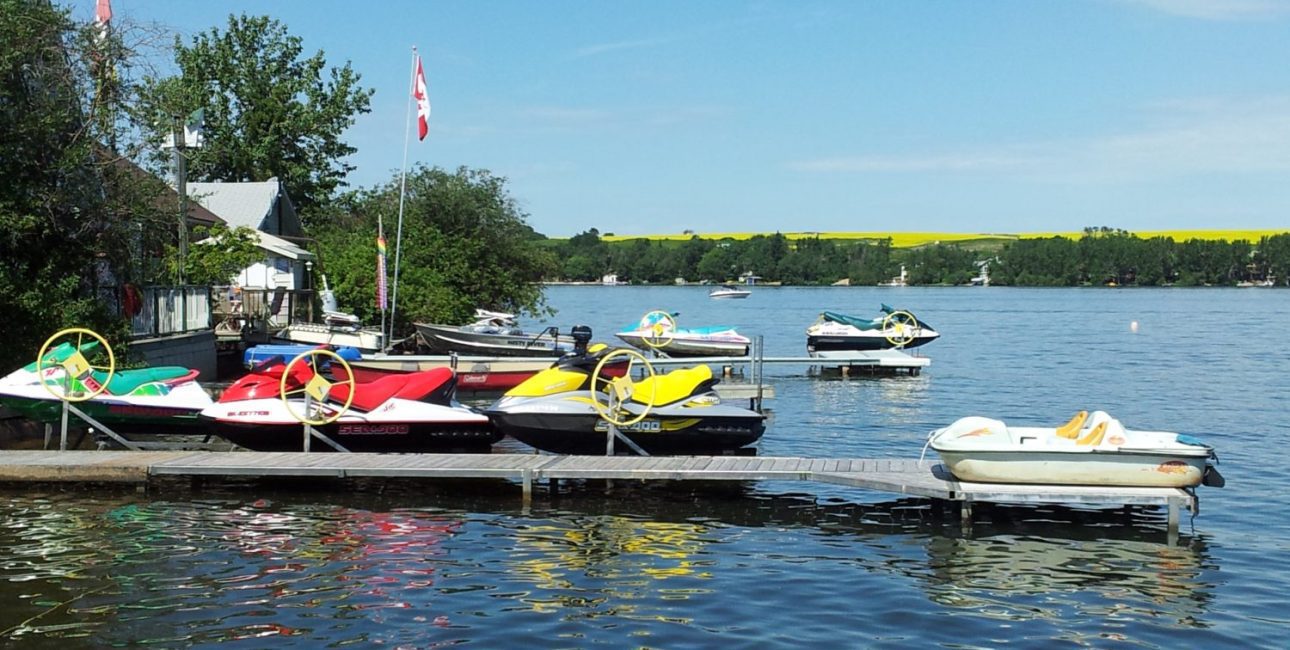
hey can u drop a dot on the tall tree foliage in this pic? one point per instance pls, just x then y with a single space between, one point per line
269 111
72 215
466 245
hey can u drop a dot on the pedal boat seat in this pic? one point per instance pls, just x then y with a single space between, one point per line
1071 429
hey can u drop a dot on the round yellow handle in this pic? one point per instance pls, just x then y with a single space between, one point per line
900 328
621 387
76 367
661 325
317 388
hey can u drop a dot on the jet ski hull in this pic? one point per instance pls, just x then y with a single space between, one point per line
581 431
404 437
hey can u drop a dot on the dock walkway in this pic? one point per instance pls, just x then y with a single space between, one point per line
901 476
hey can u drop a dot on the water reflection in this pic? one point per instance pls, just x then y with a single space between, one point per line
691 561
1016 577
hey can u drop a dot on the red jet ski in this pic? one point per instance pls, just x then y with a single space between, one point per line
413 412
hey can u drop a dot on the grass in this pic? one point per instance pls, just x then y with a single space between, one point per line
915 239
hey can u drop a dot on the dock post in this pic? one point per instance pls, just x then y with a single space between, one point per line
526 478
965 515
49 435
1172 521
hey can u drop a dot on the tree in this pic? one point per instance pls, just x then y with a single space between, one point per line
267 111
466 245
220 254
71 217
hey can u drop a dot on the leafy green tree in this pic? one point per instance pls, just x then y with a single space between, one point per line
268 111
220 254
72 215
870 264
719 263
466 245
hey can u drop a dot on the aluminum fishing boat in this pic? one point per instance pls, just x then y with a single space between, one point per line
493 334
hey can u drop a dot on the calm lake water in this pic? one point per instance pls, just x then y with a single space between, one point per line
759 565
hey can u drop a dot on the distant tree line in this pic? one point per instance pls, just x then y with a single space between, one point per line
1100 256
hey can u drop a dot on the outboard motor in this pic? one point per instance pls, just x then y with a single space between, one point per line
581 337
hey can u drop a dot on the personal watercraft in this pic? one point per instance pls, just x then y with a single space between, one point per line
157 400
558 410
657 331
834 334
411 412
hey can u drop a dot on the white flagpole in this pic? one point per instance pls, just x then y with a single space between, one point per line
403 186
380 282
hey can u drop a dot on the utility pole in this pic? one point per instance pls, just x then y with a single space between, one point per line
181 185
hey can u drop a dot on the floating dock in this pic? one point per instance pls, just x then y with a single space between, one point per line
890 361
908 477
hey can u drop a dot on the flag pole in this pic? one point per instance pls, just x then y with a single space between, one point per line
403 186
380 274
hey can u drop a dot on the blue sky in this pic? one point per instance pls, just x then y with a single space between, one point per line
657 116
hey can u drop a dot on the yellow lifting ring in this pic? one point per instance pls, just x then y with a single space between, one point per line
622 388
900 328
317 388
662 327
77 367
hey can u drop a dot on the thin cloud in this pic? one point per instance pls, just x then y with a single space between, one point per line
1183 138
1219 9
602 48
589 118
953 162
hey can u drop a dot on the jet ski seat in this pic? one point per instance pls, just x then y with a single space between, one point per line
411 386
125 382
674 386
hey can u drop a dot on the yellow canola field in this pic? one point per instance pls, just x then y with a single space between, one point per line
914 239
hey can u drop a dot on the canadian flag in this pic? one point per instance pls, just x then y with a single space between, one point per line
423 102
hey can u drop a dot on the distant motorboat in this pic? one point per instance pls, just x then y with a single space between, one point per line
1088 450
493 333
727 292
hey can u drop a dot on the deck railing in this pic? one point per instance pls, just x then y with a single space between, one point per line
171 310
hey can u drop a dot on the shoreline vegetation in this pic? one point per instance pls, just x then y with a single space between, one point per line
1095 256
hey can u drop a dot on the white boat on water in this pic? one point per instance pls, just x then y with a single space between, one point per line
727 292
339 329
1091 449
659 332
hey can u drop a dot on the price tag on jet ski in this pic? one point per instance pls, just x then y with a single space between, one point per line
316 411
659 327
613 409
900 327
79 381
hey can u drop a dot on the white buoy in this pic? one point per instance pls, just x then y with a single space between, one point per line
1133 326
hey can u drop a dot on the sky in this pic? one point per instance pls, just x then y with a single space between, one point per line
660 116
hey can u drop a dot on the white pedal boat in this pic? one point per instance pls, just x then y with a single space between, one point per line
1089 450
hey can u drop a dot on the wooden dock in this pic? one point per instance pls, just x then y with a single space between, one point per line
872 360
909 477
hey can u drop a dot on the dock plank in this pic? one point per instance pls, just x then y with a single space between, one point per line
926 478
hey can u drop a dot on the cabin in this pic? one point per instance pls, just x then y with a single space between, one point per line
278 288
